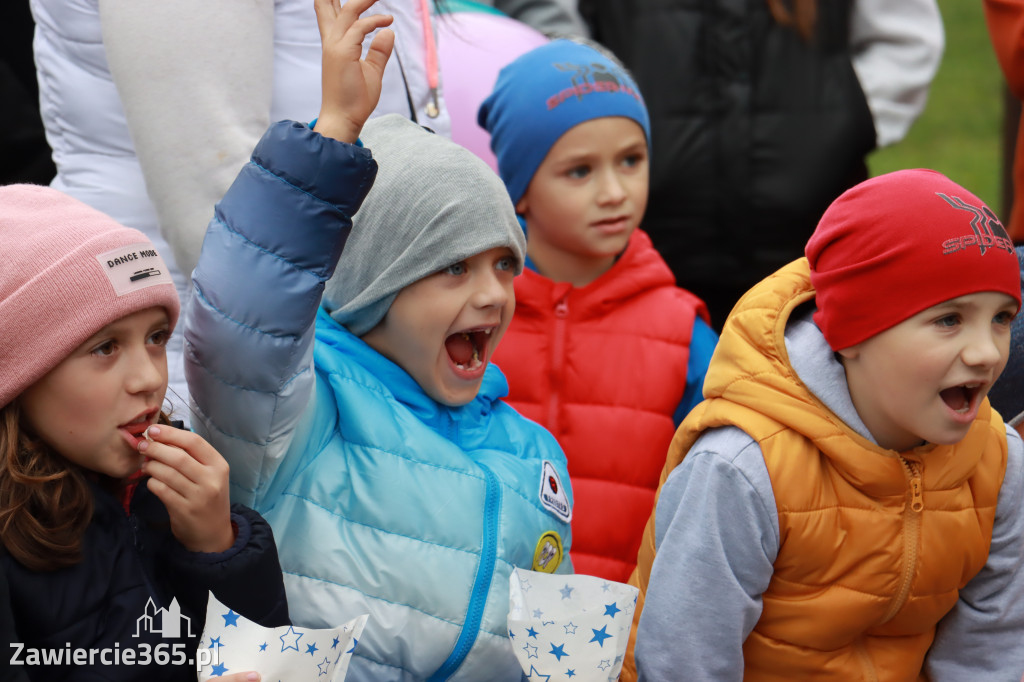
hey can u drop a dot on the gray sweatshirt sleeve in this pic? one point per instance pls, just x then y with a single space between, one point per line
982 638
717 534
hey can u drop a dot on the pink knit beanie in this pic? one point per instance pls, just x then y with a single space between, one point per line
66 271
899 243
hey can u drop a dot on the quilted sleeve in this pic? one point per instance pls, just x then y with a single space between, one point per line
274 240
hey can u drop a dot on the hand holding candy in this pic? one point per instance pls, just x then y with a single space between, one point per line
191 478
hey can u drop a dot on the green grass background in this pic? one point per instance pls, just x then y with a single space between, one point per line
960 132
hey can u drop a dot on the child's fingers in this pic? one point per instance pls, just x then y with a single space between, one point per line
334 19
352 42
326 15
352 9
368 24
190 443
170 497
174 479
172 457
380 49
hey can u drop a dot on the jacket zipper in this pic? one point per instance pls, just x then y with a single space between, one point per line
911 535
557 359
870 675
482 581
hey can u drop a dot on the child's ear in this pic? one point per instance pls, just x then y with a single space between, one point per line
522 206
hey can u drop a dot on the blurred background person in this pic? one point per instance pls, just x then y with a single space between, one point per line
152 108
761 114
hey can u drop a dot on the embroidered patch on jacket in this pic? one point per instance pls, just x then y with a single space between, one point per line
552 494
547 557
134 267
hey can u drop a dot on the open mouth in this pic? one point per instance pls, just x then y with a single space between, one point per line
961 398
136 428
468 349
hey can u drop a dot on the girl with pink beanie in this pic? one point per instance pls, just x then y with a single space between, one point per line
107 512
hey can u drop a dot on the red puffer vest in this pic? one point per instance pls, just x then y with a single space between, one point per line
603 367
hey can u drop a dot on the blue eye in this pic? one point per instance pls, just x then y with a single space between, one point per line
456 269
506 263
578 172
632 160
948 321
1004 318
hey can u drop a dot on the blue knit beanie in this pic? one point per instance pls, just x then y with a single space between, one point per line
543 94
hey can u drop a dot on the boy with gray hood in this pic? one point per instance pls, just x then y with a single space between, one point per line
358 408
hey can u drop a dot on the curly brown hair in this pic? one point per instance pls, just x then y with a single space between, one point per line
46 502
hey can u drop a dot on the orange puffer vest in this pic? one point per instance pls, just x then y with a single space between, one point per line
875 544
603 367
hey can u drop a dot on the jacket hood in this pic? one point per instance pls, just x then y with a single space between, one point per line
752 367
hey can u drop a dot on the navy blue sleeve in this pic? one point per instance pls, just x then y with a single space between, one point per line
8 673
246 577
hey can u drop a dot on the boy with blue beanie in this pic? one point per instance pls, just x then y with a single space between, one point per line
605 350
351 290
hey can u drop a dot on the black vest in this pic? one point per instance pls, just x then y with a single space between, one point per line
754 132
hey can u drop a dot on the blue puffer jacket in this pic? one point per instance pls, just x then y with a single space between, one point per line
383 501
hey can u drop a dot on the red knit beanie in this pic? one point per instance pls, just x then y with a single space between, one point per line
899 243
66 271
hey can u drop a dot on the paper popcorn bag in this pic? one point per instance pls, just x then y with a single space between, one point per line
232 644
569 627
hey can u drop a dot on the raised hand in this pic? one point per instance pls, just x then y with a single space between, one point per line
191 478
351 85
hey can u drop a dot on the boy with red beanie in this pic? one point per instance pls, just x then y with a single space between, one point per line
847 495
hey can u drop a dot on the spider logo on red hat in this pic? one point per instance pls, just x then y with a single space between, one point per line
988 231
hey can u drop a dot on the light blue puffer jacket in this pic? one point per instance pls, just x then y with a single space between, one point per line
382 500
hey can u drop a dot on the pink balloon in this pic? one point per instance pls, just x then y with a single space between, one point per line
472 48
